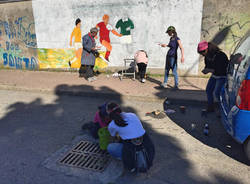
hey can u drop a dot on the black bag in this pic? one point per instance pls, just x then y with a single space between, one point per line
95 53
138 154
141 160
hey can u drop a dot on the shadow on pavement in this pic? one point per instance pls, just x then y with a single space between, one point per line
32 131
192 121
153 80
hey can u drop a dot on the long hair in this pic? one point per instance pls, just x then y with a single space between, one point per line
174 33
114 112
212 48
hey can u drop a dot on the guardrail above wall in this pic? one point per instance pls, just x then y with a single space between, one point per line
12 1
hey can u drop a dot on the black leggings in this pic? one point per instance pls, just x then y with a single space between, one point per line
142 69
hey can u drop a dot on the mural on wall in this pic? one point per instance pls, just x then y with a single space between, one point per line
125 24
135 25
104 29
226 29
18 43
55 58
77 35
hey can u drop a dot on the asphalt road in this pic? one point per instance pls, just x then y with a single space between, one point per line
35 125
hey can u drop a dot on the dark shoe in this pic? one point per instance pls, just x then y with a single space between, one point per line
210 108
81 75
86 126
97 73
176 88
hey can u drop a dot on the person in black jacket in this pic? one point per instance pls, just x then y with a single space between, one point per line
216 62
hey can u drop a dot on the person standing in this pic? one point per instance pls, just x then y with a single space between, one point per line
141 58
88 55
77 35
171 58
216 62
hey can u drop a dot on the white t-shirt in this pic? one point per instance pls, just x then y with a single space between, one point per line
134 129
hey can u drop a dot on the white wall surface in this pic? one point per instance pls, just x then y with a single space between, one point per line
54 22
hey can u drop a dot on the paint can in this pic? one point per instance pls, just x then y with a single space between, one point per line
204 112
182 109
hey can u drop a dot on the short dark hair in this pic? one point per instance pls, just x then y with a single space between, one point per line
78 21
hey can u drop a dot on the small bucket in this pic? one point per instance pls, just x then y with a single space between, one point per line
104 138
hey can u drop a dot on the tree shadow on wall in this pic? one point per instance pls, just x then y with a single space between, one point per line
44 125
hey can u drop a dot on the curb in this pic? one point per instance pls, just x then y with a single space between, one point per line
106 95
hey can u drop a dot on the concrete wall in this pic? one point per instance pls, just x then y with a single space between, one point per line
225 23
17 36
55 22
33 37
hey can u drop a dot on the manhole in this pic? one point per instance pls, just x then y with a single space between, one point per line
86 155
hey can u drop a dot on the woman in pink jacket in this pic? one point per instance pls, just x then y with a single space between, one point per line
141 58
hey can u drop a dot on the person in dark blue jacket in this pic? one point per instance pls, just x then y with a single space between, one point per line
171 58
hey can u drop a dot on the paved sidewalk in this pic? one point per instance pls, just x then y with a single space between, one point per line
191 88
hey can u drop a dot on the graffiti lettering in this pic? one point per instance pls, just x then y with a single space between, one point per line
12 46
19 29
225 31
5 59
14 61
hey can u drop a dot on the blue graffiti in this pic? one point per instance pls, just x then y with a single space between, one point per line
24 33
12 46
21 30
10 30
14 61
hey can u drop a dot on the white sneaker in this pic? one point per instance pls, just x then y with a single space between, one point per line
163 85
94 78
90 79
143 80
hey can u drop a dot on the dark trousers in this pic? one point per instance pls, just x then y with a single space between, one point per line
142 69
86 71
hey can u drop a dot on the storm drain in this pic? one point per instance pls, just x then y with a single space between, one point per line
87 155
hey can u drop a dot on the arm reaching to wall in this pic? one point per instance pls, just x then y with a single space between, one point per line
163 45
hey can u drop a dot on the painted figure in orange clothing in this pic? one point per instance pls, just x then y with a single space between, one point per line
77 35
104 29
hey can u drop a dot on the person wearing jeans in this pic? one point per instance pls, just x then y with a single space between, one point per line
172 64
171 58
216 62
129 128
115 150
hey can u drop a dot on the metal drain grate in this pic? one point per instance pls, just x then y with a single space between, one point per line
86 155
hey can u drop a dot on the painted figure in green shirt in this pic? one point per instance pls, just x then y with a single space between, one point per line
126 25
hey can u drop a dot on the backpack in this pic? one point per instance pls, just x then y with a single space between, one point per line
141 156
138 154
141 161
